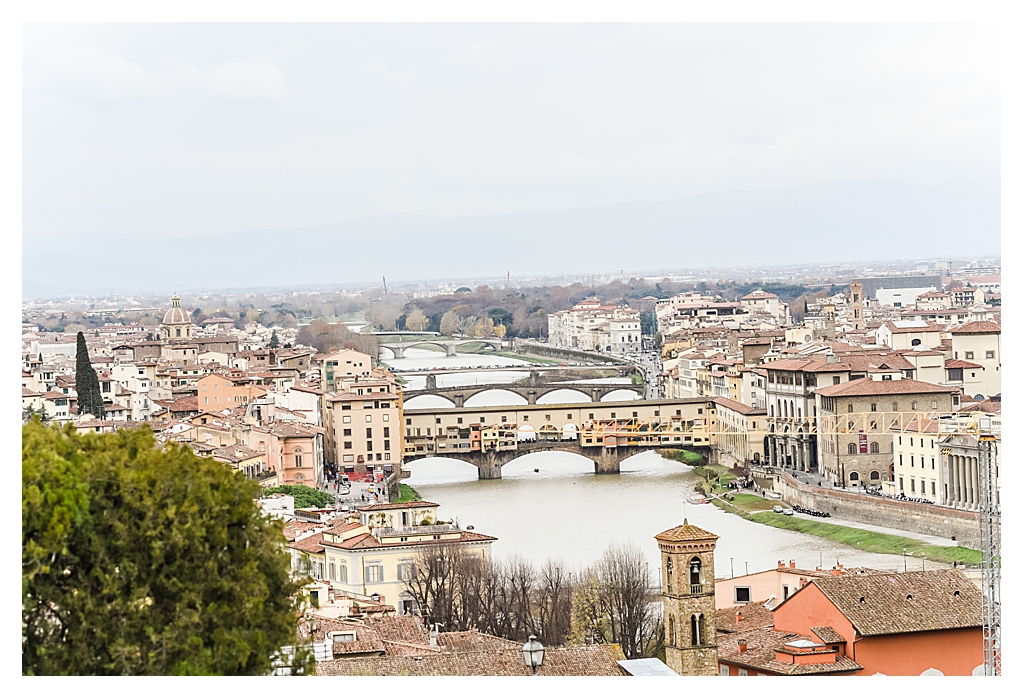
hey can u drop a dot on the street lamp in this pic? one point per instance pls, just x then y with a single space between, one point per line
532 653
905 563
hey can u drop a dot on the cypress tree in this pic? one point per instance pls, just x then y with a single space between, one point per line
274 342
90 398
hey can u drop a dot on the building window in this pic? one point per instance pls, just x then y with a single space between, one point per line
298 460
874 447
851 449
374 572
743 672
742 595
873 407
723 669
989 355
854 476
895 407
835 380
874 475
969 355
850 407
347 432
901 488
696 628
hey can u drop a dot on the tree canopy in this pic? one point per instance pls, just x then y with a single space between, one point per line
142 560
305 497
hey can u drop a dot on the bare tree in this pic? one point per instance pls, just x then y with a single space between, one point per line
554 603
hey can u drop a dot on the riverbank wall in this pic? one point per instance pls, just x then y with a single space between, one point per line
537 349
911 517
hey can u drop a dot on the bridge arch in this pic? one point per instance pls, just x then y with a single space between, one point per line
564 395
620 395
511 398
428 401
526 433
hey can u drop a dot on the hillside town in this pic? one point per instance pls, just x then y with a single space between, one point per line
881 399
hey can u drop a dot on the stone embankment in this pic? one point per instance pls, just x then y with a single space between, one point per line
912 517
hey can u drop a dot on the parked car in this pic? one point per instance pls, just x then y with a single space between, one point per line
778 509
788 512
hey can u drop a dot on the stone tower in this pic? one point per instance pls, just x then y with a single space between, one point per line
856 301
690 621
829 322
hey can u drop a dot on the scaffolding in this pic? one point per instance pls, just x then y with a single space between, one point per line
991 562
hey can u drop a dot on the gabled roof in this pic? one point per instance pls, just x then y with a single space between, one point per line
907 602
868 386
983 327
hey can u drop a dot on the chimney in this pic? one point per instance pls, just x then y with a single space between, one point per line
742 646
738 616
781 564
792 564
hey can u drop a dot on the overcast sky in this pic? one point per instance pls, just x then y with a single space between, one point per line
213 128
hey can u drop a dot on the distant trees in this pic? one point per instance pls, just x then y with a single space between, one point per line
449 323
326 337
139 559
611 601
90 397
416 321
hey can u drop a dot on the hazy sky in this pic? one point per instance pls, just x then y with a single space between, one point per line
170 129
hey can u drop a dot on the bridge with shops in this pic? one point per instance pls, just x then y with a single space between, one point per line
605 432
457 395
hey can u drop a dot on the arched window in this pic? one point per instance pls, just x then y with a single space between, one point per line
671 631
694 571
895 407
915 343
851 449
669 568
874 475
854 476
298 478
874 447
696 629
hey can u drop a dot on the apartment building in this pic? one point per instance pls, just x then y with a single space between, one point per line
591 326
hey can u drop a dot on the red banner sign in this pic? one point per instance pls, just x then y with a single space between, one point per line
863 443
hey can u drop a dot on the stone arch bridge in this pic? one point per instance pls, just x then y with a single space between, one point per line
459 394
606 460
450 346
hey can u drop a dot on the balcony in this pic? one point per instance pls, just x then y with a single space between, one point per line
695 588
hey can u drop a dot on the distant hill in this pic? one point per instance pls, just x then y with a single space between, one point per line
844 221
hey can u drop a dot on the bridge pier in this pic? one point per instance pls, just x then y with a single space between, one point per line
399 352
490 466
431 381
530 397
449 350
608 462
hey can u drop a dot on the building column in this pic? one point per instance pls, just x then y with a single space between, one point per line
946 488
953 469
976 482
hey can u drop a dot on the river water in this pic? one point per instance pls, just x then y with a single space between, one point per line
565 511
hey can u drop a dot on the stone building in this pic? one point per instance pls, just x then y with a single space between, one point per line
690 618
854 439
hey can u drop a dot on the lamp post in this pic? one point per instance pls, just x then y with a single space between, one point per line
532 653
905 562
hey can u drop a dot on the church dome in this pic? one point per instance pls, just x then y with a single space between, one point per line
175 316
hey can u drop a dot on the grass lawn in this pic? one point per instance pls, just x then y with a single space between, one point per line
752 503
869 541
407 494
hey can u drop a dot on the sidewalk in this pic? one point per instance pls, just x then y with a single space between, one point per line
930 540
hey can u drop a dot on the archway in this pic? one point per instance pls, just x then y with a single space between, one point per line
553 463
620 396
526 433
439 470
495 397
570 432
563 396
427 402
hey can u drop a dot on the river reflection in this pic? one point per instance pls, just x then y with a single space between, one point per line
566 511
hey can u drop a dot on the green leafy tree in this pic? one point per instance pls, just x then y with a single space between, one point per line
274 342
305 497
142 560
90 398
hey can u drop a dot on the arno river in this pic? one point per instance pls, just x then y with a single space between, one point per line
565 511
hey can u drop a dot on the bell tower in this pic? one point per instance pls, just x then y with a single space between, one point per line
690 619
856 301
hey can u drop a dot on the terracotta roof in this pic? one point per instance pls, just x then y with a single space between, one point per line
369 541
586 660
293 528
959 363
978 328
397 505
827 634
927 327
754 615
759 654
909 602
738 406
474 641
685 532
310 544
369 397
868 386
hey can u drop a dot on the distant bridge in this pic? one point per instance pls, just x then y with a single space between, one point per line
459 394
449 346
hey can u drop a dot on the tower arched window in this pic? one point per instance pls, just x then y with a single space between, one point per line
694 571
669 574
671 630
696 629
